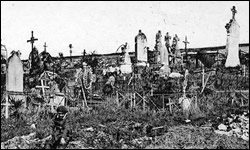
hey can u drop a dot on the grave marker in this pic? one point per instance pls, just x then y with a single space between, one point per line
14 80
32 40
141 47
233 40
43 87
14 83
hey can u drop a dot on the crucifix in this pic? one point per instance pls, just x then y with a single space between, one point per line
32 40
43 87
234 11
186 42
45 46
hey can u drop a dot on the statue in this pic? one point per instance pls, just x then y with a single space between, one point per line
175 42
167 39
158 38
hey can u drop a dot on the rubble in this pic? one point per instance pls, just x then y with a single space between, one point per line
89 129
235 125
18 142
222 127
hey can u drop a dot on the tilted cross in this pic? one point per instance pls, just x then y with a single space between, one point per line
32 40
234 11
45 46
186 42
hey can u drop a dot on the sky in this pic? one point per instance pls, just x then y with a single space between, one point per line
104 25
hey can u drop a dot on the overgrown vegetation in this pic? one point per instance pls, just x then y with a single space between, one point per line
114 127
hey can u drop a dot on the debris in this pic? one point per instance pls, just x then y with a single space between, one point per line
89 129
33 126
245 137
230 133
222 127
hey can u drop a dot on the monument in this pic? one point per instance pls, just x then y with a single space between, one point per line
233 39
163 57
14 82
127 66
141 47
164 70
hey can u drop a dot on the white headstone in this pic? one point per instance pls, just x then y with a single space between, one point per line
126 67
127 60
15 76
232 45
164 55
141 47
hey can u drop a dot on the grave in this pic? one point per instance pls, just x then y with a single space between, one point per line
14 80
127 66
15 76
164 70
141 47
233 39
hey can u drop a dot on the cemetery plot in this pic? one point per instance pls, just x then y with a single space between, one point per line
128 104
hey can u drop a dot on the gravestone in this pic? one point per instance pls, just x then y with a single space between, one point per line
15 76
127 66
141 47
233 40
163 57
14 81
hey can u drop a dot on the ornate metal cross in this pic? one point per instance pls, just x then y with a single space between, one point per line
234 11
32 40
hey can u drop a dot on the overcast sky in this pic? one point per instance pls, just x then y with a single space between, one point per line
104 26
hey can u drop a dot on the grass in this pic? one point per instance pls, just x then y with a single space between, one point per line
119 120
190 137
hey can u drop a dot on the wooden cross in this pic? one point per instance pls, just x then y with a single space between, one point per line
170 103
32 40
234 11
186 42
45 46
43 87
7 104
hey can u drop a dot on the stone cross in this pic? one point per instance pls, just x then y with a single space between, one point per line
234 11
43 87
45 46
186 42
32 40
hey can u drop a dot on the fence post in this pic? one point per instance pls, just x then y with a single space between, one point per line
143 102
117 98
203 77
163 102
